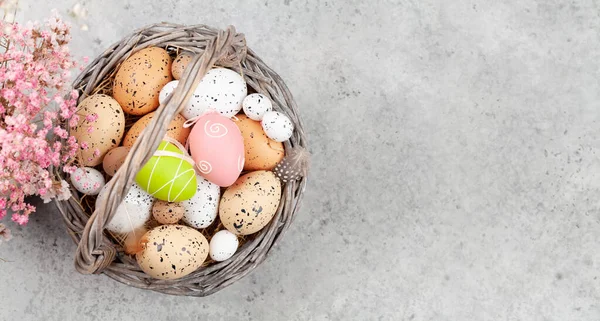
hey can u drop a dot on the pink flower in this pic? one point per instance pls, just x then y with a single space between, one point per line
74 121
61 132
64 192
91 118
2 208
69 169
36 101
20 219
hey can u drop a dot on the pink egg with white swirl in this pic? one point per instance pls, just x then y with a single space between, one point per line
217 147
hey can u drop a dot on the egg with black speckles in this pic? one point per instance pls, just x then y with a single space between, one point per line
102 131
132 213
277 126
137 195
140 78
250 203
87 180
167 90
172 251
223 245
175 130
221 90
180 63
256 105
167 212
202 209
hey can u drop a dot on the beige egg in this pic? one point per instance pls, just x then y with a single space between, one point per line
172 251
167 212
250 203
180 64
140 79
104 133
175 130
114 159
262 153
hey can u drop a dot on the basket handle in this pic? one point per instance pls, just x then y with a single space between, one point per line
95 251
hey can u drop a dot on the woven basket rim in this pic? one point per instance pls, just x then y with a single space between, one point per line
96 251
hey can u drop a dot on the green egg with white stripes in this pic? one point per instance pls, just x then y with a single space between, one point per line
168 175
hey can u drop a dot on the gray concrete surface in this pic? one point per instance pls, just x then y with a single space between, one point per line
456 172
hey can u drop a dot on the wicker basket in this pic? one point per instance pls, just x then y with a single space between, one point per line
97 251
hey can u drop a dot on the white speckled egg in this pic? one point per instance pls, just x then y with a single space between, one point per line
221 89
167 90
139 196
87 180
277 126
133 213
201 210
256 105
223 245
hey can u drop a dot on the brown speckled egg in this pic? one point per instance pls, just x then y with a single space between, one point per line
104 133
172 251
262 153
140 79
175 130
250 203
114 159
167 212
180 64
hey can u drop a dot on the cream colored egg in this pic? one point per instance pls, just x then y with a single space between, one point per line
175 130
114 159
166 212
172 251
250 203
102 134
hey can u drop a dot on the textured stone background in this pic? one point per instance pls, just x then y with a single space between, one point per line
455 177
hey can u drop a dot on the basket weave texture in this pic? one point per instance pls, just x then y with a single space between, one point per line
98 251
